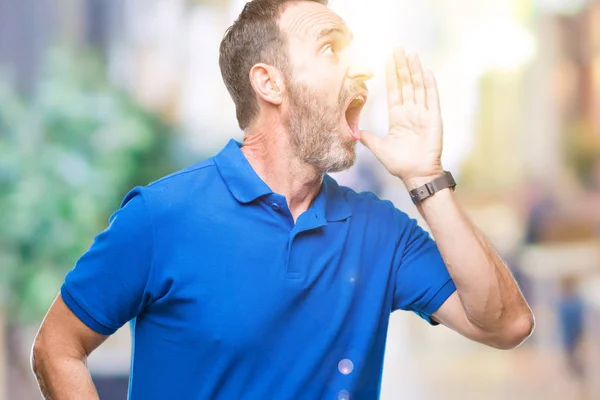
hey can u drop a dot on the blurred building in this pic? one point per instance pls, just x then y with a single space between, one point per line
539 121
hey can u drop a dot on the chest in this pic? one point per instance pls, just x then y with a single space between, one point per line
254 282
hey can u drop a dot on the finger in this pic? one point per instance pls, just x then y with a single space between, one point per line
403 72
416 73
431 88
371 142
393 86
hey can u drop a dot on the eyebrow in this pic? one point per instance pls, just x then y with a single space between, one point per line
342 31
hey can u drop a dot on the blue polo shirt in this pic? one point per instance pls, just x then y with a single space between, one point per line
228 298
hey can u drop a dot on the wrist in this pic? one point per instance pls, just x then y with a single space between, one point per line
440 197
424 189
415 182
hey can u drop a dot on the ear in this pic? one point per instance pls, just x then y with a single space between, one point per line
267 82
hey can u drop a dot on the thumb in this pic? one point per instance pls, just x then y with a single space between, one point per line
371 141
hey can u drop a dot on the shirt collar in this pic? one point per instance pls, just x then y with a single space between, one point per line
337 208
243 183
246 186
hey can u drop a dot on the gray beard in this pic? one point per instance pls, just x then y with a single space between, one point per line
315 132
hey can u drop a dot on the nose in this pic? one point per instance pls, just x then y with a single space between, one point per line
360 72
358 68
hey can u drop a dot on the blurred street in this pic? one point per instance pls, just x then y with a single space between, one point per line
443 365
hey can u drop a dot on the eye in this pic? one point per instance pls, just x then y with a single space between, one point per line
329 49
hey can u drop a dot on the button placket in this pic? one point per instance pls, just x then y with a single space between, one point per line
291 274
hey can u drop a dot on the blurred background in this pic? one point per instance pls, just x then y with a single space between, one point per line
97 96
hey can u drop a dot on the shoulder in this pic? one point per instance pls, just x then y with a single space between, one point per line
366 204
179 189
184 180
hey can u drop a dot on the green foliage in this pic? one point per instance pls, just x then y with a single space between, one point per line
68 155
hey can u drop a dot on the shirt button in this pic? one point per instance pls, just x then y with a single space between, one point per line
275 206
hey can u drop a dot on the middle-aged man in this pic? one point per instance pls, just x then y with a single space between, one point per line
253 274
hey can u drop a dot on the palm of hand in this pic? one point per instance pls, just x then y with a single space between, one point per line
413 146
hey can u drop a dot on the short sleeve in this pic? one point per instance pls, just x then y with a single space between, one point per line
109 284
422 281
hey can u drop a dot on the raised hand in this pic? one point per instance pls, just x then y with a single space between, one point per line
413 148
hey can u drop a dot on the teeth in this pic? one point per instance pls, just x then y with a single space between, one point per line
357 101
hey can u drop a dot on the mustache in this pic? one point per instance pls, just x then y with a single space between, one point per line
350 90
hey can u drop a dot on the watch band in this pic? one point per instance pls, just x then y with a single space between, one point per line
429 189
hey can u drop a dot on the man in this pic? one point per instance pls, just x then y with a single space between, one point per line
253 275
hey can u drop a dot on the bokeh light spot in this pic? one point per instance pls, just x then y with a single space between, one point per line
345 366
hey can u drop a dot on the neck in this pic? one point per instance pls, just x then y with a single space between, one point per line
267 147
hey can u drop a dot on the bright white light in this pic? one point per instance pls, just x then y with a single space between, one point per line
374 28
497 44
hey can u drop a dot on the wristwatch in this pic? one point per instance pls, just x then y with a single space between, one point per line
427 190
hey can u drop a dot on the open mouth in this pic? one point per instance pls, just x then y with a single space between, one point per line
353 114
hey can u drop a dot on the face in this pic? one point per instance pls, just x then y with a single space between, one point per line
325 90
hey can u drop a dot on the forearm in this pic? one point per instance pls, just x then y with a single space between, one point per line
487 290
63 378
